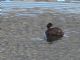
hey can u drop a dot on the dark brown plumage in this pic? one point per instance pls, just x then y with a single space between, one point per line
53 33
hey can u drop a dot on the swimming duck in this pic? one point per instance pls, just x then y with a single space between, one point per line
53 33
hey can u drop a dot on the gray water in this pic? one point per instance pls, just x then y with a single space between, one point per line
22 35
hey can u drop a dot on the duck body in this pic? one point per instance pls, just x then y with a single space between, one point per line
53 34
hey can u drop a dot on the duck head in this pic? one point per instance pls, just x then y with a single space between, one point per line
49 25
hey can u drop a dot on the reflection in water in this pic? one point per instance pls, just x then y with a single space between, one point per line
62 7
60 0
2 0
5 0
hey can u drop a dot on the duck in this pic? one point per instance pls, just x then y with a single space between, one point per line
53 33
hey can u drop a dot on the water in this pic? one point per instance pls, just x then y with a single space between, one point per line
67 7
7 0
21 37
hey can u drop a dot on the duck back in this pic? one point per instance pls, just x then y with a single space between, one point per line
54 33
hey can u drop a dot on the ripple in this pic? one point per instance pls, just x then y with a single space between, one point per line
68 32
